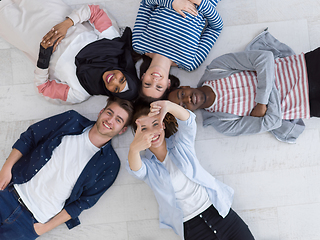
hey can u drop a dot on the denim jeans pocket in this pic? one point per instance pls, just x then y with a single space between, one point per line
14 216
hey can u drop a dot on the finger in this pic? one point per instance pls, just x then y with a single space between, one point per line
138 125
151 114
48 35
157 109
192 10
56 44
3 185
181 13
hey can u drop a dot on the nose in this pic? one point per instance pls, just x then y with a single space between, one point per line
186 99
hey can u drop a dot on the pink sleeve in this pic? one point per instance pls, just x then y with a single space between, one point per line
99 18
54 90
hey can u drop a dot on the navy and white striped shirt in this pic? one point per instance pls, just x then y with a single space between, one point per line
160 29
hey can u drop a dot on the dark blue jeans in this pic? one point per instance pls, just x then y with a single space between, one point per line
16 221
209 225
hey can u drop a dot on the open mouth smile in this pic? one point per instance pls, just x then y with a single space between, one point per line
155 138
109 78
194 99
156 74
106 125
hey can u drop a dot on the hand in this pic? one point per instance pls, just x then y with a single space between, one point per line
40 228
259 110
5 177
185 5
57 33
159 108
197 2
142 140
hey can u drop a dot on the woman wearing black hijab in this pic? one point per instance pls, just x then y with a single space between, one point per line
75 61
94 71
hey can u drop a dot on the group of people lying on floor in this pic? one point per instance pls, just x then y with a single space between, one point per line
44 183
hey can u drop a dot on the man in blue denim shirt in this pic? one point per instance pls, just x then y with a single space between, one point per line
57 168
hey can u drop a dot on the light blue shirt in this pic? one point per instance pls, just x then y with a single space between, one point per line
181 150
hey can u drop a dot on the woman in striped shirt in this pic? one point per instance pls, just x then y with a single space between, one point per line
250 92
171 40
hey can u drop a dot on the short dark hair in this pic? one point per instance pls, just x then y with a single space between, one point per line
142 108
146 61
124 104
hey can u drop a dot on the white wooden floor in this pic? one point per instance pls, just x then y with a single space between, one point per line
276 185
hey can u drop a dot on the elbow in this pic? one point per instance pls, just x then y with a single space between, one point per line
272 122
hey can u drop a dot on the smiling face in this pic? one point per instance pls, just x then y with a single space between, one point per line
152 124
189 98
112 120
155 82
114 80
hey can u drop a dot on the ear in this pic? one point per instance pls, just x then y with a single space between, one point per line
142 76
123 130
163 125
102 110
169 83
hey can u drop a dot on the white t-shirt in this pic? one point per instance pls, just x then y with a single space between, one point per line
192 198
45 194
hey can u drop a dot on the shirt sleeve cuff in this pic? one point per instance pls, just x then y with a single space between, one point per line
74 17
140 174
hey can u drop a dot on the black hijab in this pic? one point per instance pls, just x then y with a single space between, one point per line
105 55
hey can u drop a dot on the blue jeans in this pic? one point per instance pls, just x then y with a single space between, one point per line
16 221
209 225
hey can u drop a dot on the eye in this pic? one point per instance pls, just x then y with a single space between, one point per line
118 120
116 90
155 124
123 80
109 113
147 84
143 129
159 87
182 93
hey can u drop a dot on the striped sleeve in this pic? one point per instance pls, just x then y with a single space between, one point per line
211 33
140 26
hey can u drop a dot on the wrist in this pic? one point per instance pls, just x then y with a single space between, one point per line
69 22
7 166
133 150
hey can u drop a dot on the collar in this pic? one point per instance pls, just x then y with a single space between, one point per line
105 146
149 154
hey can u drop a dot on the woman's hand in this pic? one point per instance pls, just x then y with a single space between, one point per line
142 140
163 106
184 5
159 108
57 33
197 2
259 110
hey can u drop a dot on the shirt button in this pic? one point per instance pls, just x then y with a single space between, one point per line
214 231
205 221
210 226
200 215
